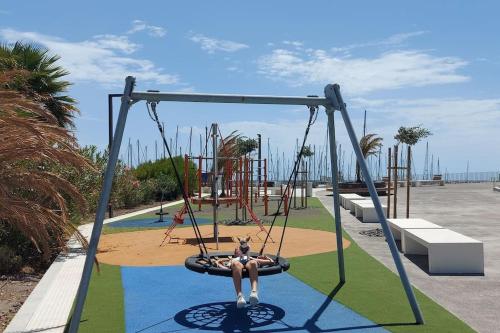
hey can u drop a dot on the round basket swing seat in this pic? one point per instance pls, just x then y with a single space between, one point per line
201 264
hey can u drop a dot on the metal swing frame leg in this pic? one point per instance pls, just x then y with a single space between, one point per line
335 186
332 93
101 208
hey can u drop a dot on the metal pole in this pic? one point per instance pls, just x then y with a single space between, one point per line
101 208
307 180
389 182
190 139
408 182
396 170
110 139
251 183
216 184
335 186
332 92
163 130
259 156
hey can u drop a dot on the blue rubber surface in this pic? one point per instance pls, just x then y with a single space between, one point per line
171 299
151 222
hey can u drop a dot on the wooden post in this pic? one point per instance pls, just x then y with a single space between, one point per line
394 209
408 182
389 185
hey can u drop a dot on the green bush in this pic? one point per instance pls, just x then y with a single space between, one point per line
163 173
10 262
129 192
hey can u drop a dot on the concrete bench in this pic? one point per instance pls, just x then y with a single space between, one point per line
347 198
448 251
365 210
397 225
352 206
343 197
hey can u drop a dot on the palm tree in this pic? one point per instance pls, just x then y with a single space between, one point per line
44 80
33 200
370 145
228 148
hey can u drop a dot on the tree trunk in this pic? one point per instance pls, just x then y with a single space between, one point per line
358 173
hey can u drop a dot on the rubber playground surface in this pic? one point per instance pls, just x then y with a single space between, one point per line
152 222
171 298
142 287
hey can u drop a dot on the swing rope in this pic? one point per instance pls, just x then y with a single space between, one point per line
313 115
201 244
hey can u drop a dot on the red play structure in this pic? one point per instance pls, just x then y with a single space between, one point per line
234 178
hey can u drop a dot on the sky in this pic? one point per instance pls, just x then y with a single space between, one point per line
435 64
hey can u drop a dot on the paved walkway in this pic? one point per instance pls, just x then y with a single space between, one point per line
470 209
48 307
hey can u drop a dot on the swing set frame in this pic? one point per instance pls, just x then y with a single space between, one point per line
331 102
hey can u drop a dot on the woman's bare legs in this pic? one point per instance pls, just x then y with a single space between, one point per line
237 269
253 273
251 267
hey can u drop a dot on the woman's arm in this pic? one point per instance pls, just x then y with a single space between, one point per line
264 260
223 263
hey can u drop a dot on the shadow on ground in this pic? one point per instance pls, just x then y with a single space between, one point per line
225 317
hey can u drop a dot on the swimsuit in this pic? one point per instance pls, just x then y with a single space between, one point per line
243 259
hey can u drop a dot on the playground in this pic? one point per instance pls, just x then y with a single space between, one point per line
313 276
154 292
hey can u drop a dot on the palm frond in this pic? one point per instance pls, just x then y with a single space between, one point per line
33 200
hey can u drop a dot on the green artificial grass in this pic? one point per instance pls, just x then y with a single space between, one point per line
314 217
371 289
104 309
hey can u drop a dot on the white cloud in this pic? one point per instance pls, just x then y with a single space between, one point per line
152 30
462 128
113 42
464 116
233 69
393 40
294 43
211 45
390 70
104 59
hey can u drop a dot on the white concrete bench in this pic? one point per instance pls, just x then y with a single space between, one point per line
448 251
344 196
352 208
365 210
348 197
397 225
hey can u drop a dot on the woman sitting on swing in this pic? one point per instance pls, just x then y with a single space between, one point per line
242 260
